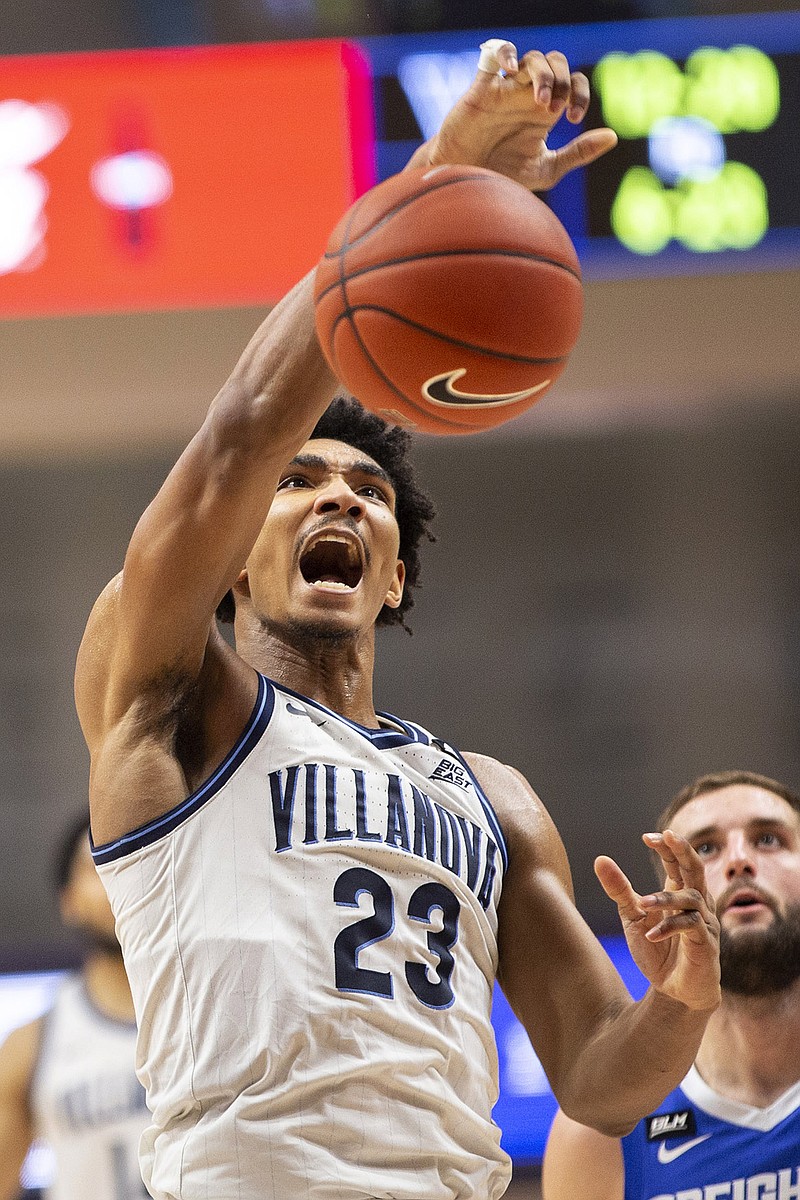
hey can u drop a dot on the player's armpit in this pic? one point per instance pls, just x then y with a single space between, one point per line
581 1164
17 1062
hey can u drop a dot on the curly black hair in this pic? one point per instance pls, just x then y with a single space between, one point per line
344 420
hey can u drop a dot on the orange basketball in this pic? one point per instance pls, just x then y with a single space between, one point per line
448 299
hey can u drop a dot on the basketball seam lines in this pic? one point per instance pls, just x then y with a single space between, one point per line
522 358
399 208
398 262
382 374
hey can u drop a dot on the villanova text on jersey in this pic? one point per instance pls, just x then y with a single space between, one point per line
319 802
311 942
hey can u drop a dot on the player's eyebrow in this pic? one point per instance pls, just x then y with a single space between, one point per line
756 823
362 466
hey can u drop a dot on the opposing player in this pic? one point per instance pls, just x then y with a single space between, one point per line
314 899
68 1077
732 1128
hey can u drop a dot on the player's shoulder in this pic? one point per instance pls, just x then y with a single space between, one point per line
504 785
527 826
581 1161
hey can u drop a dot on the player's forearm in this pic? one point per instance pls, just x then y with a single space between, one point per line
281 384
638 1056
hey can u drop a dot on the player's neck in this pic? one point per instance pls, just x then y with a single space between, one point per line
336 673
107 985
751 1048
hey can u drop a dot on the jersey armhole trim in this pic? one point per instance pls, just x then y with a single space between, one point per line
154 830
488 807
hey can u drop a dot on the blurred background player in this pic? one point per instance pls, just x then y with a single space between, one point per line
68 1077
732 1129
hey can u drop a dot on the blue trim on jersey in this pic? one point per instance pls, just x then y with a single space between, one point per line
153 831
488 808
386 739
382 739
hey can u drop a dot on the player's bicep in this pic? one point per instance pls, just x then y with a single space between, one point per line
581 1164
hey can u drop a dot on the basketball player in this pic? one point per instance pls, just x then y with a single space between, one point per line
314 899
68 1077
732 1128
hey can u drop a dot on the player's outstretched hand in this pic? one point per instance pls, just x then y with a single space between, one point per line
503 120
673 935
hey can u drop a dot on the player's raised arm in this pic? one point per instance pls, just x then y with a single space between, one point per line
558 979
194 538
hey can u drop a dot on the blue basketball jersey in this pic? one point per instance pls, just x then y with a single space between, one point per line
699 1145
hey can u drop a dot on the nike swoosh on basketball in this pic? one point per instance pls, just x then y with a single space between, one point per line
439 389
667 1154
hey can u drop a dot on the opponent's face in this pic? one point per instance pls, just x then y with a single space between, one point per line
749 841
84 903
326 559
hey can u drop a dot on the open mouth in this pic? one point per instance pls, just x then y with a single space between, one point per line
744 900
332 561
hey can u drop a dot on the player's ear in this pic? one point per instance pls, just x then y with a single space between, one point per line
395 594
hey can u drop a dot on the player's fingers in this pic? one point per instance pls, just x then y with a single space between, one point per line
562 86
498 56
617 887
582 150
535 66
681 861
579 96
685 922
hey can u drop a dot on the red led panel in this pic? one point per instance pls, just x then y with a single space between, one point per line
175 178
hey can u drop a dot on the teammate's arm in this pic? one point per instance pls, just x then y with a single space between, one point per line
581 1164
562 986
17 1062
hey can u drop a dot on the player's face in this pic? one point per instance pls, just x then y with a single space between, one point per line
84 903
749 841
326 559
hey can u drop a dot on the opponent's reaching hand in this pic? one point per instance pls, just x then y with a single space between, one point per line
503 120
672 935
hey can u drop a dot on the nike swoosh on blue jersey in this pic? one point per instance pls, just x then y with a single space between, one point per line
667 1154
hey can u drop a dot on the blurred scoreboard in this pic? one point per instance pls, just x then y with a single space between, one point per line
706 176
209 176
175 178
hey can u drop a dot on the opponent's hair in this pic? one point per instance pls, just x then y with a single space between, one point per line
346 421
67 849
714 781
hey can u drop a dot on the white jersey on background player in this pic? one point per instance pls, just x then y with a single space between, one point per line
86 1103
68 1079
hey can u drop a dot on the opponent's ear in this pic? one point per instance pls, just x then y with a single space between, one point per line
242 585
395 594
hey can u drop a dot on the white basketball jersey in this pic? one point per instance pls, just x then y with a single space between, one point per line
311 944
86 1101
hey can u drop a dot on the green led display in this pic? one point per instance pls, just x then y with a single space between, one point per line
728 212
737 90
